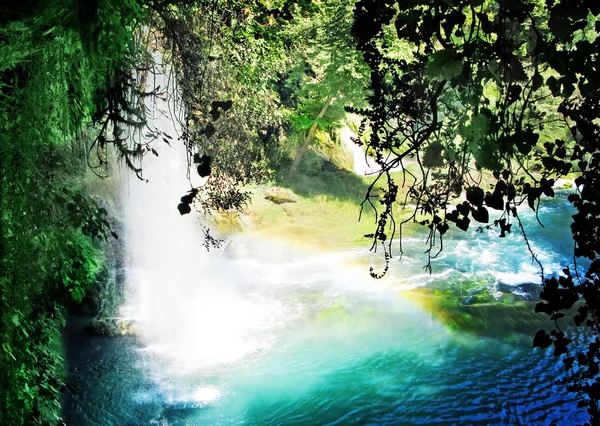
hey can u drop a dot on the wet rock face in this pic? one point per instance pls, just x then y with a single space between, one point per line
506 293
526 291
112 327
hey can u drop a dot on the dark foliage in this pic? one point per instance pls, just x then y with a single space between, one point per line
509 89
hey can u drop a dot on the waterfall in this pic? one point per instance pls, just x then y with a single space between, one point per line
184 300
363 164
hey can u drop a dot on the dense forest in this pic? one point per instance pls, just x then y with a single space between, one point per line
489 101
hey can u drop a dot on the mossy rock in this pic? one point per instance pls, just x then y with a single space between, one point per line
234 251
527 291
112 327
280 195
227 222
564 183
495 319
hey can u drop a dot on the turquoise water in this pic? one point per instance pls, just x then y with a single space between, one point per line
276 336
390 366
379 361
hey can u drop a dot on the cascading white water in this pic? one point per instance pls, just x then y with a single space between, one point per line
363 164
184 299
189 309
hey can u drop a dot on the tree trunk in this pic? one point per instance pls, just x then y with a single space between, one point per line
308 139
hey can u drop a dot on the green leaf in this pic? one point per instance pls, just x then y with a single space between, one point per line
433 155
537 81
475 196
475 130
442 228
463 223
495 201
443 65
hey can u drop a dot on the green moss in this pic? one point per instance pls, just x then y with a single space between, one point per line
323 221
494 318
320 207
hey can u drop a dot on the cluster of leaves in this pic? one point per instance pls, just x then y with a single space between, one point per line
504 89
52 71
124 51
327 73
222 58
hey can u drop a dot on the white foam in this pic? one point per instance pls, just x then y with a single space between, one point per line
206 395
